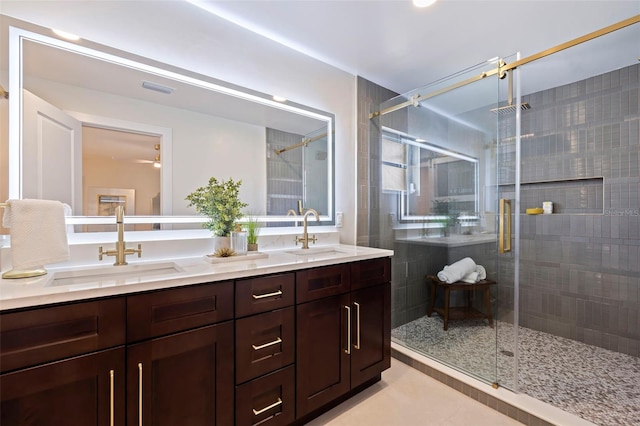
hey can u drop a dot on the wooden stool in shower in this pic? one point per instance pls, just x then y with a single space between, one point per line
460 312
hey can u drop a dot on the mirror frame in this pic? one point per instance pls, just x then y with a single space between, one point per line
105 53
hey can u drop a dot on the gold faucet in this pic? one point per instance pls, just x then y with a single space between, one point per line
293 213
121 251
305 236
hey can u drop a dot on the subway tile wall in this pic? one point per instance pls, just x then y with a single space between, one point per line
368 232
580 267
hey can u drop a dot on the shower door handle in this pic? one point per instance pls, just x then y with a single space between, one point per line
504 230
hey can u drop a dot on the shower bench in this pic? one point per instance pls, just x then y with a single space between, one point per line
460 312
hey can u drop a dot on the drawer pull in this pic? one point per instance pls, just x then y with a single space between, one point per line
111 400
262 296
348 349
357 345
275 404
139 394
266 345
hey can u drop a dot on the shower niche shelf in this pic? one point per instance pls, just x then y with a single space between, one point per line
569 196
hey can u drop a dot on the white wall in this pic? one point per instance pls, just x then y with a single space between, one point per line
180 34
202 145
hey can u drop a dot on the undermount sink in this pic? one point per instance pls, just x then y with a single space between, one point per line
112 273
314 251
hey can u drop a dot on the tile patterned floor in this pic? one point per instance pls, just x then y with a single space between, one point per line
407 397
595 384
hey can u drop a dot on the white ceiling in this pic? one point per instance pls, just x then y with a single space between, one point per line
400 47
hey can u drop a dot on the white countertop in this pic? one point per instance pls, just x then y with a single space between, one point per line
44 290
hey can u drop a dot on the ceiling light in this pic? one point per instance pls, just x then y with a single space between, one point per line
66 35
423 3
279 98
157 87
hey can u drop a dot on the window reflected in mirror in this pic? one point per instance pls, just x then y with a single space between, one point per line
435 185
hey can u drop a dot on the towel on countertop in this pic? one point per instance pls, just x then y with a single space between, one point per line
473 277
456 271
38 232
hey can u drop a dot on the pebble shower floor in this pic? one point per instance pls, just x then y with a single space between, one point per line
596 384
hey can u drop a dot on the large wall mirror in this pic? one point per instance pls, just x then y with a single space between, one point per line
95 127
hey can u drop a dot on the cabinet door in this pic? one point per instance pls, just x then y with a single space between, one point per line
371 333
86 390
322 352
187 379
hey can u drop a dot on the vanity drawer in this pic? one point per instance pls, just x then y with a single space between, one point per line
312 284
171 311
269 400
264 343
264 294
371 272
47 334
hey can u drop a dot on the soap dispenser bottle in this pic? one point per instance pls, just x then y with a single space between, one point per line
239 240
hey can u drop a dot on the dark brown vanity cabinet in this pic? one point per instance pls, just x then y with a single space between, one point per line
343 331
63 365
271 350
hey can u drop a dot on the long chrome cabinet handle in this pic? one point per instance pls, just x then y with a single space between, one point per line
266 345
357 305
112 379
275 404
262 296
139 394
504 232
348 349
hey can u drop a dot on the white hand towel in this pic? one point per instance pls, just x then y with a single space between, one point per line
38 233
454 272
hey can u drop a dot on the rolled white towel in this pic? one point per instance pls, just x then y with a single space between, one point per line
456 271
473 277
482 273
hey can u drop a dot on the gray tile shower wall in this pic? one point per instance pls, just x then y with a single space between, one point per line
580 267
369 232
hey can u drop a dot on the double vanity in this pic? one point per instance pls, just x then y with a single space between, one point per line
272 341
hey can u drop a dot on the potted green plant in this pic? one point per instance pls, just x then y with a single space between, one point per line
220 203
252 226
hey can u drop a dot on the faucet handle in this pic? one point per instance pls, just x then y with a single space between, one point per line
100 253
312 238
139 250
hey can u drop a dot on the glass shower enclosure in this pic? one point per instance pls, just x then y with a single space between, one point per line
466 165
440 195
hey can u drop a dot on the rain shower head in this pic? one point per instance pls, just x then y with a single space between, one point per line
508 109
